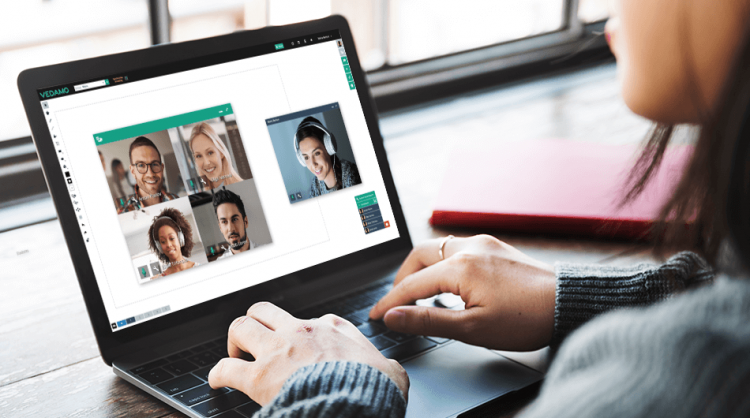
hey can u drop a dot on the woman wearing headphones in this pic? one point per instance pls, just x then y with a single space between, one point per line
212 159
171 238
315 147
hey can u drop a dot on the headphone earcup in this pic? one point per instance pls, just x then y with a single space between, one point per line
182 238
330 143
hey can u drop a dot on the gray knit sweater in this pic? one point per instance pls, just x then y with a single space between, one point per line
686 355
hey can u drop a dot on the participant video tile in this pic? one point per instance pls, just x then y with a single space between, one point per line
230 220
313 151
162 239
141 171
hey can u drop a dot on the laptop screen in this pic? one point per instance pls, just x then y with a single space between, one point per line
195 180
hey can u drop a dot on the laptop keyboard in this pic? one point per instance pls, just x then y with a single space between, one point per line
184 375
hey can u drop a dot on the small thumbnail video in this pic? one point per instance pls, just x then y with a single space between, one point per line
162 239
215 153
231 220
313 151
141 171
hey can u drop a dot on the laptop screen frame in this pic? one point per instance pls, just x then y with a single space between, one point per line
29 81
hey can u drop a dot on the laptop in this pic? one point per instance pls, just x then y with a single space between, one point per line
186 188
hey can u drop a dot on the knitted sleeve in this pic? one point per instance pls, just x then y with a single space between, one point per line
684 357
337 389
585 291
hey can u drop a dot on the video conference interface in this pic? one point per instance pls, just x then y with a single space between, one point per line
184 201
193 185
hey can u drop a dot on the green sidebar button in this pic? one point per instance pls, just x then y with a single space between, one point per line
345 60
347 69
351 85
349 77
279 46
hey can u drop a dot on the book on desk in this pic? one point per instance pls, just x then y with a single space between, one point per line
554 186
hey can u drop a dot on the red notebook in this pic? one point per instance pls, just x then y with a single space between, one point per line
553 186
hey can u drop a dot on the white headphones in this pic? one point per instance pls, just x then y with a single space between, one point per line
180 235
329 141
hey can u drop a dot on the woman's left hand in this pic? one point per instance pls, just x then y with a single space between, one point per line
282 344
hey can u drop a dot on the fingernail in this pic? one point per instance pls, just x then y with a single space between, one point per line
396 317
238 321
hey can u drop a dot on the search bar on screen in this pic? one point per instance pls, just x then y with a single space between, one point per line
91 85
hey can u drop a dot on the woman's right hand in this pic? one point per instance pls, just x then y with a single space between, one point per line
510 297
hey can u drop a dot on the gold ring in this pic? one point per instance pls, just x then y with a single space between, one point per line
442 246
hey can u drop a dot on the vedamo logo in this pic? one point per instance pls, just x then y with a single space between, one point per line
52 93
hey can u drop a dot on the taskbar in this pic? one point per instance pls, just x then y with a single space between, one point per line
128 322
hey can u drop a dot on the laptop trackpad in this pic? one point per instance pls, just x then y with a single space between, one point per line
459 377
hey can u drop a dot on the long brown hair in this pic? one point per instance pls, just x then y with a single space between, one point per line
711 204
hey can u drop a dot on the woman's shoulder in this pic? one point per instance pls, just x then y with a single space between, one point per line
314 187
661 348
723 306
348 165
349 173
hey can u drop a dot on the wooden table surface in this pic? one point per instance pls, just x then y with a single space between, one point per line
50 364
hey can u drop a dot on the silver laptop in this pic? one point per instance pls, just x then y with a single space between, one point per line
186 194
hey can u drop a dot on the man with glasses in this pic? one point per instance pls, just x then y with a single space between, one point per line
148 170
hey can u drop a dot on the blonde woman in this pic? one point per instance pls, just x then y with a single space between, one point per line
211 156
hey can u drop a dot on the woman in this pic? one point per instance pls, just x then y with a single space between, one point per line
171 238
211 156
681 350
315 147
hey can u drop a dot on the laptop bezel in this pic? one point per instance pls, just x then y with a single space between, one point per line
29 81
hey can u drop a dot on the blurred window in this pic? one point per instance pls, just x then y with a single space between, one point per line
422 29
387 33
391 32
590 11
43 32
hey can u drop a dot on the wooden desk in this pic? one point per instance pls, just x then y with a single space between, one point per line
50 362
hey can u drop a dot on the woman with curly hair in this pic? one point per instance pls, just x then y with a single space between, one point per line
171 238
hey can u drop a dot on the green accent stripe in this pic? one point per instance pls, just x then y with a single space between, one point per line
162 124
367 199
